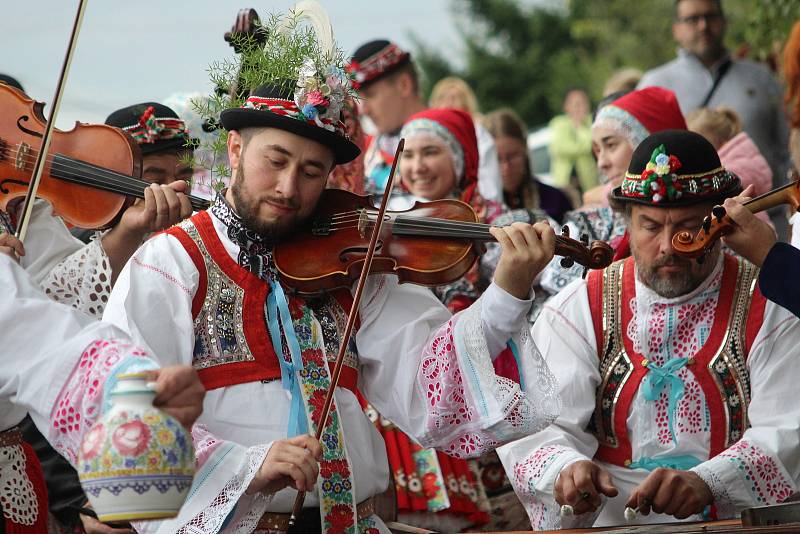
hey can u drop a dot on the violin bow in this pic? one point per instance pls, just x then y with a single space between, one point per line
351 318
38 168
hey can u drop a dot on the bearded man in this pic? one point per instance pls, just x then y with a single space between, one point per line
208 293
676 376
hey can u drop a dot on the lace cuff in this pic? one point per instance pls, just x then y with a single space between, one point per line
82 280
534 477
471 410
744 475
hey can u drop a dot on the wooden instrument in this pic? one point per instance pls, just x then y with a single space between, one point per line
432 243
90 174
718 224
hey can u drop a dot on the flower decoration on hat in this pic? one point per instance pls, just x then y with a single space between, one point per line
151 129
659 177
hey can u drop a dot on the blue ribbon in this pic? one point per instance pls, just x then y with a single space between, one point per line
515 352
278 309
659 378
682 462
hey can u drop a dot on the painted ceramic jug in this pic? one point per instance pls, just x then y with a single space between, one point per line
136 462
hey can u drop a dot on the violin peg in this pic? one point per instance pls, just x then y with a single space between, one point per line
585 239
719 212
565 231
706 224
566 263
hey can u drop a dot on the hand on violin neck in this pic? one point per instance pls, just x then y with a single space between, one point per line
751 238
525 250
11 246
163 206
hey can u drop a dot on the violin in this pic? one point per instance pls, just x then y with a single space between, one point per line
718 224
430 244
91 173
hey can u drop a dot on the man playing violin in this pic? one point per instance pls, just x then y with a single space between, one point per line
80 274
676 377
756 240
207 292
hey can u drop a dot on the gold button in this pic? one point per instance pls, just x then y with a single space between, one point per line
644 363
690 362
628 461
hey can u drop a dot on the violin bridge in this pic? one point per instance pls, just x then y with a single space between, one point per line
22 154
363 218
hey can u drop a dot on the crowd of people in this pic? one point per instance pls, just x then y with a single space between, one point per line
524 394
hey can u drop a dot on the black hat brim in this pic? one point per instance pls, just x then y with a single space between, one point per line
616 196
344 150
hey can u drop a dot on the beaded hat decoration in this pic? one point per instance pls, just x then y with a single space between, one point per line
376 59
155 127
676 168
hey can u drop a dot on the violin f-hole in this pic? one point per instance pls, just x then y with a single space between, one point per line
353 253
25 118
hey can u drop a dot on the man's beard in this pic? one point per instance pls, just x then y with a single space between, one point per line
671 285
247 206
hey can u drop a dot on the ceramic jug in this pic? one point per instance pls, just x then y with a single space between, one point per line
136 462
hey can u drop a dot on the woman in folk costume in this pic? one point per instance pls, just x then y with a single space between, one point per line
59 365
207 292
617 130
680 375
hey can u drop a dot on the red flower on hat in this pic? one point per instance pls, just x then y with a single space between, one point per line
674 163
146 115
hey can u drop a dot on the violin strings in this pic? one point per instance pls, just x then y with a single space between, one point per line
104 178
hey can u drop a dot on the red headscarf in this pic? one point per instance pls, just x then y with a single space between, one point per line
454 126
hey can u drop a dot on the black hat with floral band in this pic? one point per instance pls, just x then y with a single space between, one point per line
674 168
155 127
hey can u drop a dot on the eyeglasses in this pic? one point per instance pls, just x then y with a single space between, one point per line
694 20
510 159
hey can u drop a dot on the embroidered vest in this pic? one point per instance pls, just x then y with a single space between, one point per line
232 342
719 366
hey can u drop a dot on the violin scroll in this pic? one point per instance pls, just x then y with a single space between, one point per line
715 226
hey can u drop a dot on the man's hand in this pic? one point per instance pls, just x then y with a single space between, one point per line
580 485
93 526
289 462
11 246
526 250
179 392
163 206
751 237
672 492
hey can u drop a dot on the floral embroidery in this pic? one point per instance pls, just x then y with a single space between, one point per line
763 477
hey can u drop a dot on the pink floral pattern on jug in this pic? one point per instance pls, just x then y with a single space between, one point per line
136 462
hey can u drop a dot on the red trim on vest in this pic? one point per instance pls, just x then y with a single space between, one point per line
755 318
594 288
266 365
197 258
622 452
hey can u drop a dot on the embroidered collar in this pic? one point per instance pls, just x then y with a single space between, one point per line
255 250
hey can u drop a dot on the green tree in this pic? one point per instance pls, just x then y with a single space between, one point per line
526 57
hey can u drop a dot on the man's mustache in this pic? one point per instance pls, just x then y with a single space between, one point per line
285 202
673 260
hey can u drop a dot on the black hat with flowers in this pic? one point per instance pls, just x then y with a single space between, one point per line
317 117
673 168
376 59
155 127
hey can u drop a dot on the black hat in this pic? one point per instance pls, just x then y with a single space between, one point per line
155 127
273 106
676 168
10 80
376 59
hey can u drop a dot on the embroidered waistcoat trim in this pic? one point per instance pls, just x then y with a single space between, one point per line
719 366
232 343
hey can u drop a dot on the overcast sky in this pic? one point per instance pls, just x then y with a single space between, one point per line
134 51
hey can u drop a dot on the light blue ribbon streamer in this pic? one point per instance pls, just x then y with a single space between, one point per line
659 378
515 352
682 462
278 309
